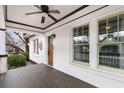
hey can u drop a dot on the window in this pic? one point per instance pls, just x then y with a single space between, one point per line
81 44
36 43
111 42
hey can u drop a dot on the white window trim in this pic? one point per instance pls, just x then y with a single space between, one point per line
74 62
105 69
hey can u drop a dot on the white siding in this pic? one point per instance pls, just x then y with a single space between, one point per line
38 58
2 22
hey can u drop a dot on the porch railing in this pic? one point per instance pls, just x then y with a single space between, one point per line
109 59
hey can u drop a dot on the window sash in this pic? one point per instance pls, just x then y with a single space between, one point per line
111 54
36 43
81 53
81 34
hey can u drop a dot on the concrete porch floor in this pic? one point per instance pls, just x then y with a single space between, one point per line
40 76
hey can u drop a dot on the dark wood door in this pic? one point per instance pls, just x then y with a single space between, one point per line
50 52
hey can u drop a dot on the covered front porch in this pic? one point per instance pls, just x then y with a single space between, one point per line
81 45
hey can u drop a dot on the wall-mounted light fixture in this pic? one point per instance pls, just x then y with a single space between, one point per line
52 36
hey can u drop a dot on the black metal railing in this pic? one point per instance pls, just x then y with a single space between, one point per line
109 59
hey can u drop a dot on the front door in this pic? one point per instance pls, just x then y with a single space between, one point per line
50 51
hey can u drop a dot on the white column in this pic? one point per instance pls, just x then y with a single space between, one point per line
93 33
3 57
2 21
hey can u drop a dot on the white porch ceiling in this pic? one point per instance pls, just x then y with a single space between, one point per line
16 13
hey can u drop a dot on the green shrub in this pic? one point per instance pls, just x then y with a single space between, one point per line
26 54
16 60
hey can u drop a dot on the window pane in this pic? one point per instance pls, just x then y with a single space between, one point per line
75 34
79 31
79 37
102 31
121 27
77 52
86 29
85 34
81 53
112 29
121 51
112 55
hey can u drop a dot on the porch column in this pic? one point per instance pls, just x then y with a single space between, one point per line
93 33
3 56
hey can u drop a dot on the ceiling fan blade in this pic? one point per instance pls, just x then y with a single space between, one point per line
32 13
38 7
42 19
52 17
54 11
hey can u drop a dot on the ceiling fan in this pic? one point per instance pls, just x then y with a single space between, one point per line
45 9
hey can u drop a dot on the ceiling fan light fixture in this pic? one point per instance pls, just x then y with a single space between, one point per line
45 12
42 19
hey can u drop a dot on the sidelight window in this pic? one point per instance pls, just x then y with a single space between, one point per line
36 43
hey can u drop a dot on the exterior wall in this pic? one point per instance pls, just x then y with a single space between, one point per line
62 50
62 58
3 60
41 57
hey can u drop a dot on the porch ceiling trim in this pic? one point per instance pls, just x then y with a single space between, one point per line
73 12
77 18
24 29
